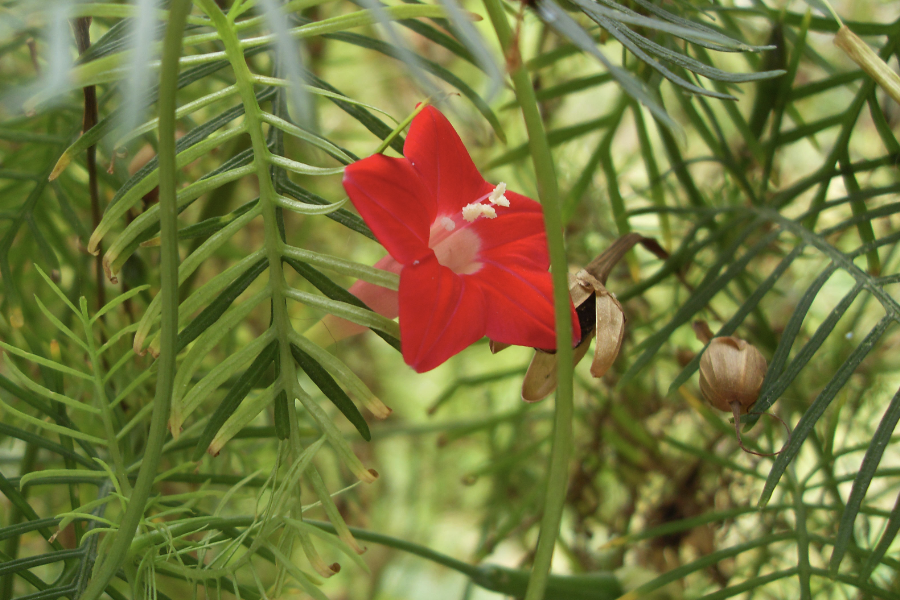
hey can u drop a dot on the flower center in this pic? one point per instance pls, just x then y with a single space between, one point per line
455 247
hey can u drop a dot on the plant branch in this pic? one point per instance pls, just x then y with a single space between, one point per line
548 192
82 28
117 553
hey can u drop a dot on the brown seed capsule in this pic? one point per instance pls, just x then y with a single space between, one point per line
731 370
731 375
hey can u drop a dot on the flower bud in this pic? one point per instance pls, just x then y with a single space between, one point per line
731 371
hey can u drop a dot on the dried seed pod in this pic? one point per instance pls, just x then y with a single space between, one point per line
731 374
731 370
601 317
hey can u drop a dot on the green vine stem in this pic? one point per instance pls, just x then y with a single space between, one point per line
118 551
548 192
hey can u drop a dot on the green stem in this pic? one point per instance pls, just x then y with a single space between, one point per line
118 551
548 192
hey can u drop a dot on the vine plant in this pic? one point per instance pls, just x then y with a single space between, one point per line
228 361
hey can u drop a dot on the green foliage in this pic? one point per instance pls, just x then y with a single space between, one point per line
762 159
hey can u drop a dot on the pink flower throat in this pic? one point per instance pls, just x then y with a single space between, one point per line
454 243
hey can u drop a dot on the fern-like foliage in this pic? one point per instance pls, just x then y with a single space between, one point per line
36 412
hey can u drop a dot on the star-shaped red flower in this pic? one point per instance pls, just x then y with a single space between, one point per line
472 256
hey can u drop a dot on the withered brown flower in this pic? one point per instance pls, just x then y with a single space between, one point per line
599 312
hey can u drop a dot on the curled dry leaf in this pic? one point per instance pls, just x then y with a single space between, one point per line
863 55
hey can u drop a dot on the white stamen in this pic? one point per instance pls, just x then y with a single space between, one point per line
471 211
448 223
474 210
497 197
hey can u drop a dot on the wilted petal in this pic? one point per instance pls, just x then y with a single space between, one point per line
441 314
519 306
439 156
394 203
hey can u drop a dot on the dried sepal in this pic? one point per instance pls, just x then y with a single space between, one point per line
498 346
602 266
610 331
702 331
541 376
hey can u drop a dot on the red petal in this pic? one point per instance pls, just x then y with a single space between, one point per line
516 237
439 156
519 306
394 202
441 314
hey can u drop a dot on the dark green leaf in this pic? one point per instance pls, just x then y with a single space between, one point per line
42 442
430 66
21 503
217 308
235 396
768 395
565 26
191 138
325 382
281 416
815 411
336 292
343 216
870 463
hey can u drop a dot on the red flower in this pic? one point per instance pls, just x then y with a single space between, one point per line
472 256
